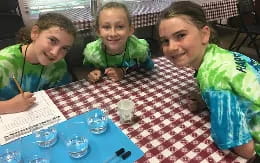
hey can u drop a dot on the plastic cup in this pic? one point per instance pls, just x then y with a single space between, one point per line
97 122
75 139
12 153
126 109
46 137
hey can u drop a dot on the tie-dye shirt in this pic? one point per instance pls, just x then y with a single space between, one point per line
35 77
137 53
230 85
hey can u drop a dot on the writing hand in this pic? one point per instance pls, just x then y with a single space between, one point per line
22 102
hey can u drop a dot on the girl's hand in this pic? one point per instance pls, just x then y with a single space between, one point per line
21 102
115 74
196 103
94 75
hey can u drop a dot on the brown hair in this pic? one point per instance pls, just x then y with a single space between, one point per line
193 11
45 22
110 5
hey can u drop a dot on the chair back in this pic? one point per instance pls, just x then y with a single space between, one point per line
8 6
12 24
247 13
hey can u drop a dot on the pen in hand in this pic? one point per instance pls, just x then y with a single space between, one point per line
17 84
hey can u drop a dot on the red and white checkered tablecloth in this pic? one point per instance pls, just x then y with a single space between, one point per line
166 131
146 13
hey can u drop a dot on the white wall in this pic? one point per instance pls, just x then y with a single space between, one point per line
27 19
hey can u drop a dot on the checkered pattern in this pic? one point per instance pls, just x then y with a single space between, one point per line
221 9
146 13
165 130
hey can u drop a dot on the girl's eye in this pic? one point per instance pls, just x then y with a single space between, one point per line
180 36
105 27
120 27
53 41
164 42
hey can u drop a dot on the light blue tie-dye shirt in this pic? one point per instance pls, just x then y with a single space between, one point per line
230 85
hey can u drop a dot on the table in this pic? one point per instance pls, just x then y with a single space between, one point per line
146 13
166 131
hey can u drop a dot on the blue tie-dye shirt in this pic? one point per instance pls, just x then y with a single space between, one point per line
36 77
230 85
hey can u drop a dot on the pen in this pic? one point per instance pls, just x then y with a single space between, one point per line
17 84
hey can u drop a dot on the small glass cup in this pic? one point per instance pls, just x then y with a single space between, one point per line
126 109
12 153
97 122
36 154
46 137
75 139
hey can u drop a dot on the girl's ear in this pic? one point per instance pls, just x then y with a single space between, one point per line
205 34
35 32
132 30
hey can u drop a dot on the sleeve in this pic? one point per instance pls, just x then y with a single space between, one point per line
86 60
148 63
245 80
228 118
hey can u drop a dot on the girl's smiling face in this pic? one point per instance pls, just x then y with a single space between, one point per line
183 43
114 29
49 46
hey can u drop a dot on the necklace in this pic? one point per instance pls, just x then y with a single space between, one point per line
123 59
39 79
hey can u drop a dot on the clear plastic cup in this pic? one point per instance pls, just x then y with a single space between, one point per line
97 122
126 110
75 139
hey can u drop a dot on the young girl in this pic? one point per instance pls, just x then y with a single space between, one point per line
117 49
229 81
37 63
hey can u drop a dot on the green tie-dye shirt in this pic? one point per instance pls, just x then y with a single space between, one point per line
11 62
230 85
137 53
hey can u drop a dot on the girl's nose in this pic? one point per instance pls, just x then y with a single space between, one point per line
113 31
173 45
55 51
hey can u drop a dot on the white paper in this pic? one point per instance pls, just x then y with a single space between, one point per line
43 114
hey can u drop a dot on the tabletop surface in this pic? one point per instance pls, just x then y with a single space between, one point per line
165 130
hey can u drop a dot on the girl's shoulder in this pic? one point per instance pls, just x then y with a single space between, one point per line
93 48
137 47
10 50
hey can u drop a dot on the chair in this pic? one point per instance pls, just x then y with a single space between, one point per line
249 25
11 18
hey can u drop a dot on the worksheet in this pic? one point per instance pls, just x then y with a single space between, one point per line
43 113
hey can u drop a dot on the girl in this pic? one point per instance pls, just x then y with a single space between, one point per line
37 63
117 49
229 81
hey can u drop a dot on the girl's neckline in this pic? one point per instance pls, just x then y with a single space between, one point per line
120 54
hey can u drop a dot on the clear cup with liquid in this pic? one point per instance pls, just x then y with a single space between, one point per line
34 153
12 152
46 137
75 139
97 121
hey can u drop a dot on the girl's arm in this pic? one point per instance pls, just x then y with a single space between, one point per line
19 103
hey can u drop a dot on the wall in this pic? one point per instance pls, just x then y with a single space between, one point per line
27 19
